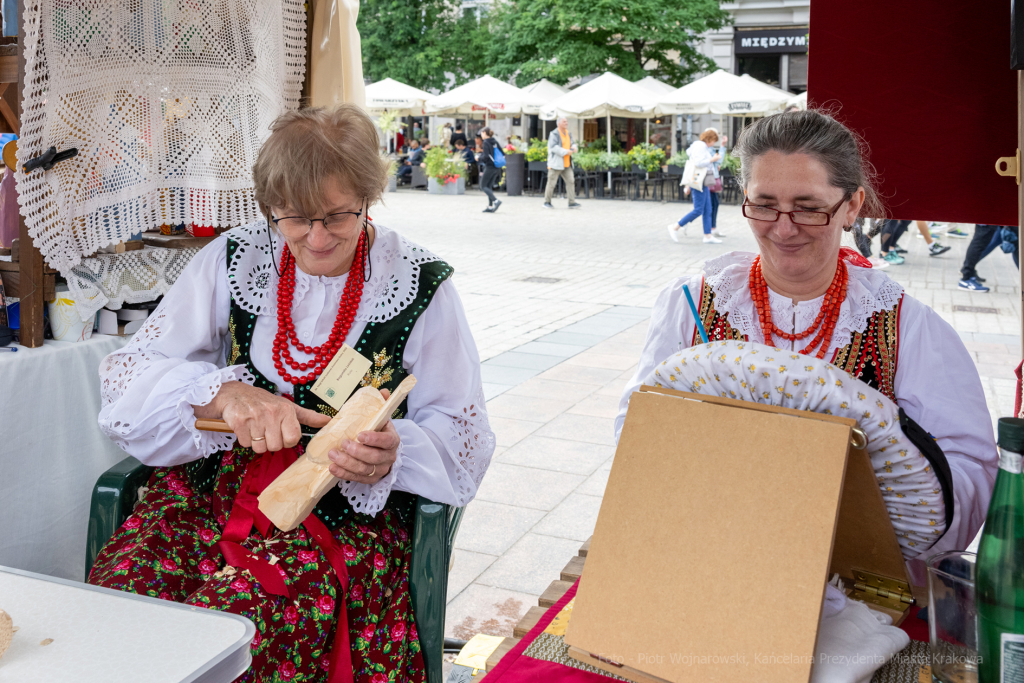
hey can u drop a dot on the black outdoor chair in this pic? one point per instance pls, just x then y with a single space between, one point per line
730 188
630 180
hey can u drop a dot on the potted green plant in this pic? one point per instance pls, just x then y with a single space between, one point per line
731 164
677 162
537 155
446 174
515 166
646 157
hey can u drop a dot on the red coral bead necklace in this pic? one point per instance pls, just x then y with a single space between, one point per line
322 354
824 322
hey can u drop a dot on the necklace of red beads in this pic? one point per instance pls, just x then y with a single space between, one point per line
322 354
824 323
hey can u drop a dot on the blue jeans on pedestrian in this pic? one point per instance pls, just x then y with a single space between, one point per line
714 210
701 207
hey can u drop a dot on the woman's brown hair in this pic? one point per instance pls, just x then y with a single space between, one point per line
709 136
309 146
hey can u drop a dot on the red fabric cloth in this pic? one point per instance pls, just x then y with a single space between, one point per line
930 89
916 628
515 667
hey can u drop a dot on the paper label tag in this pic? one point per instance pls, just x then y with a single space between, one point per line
1011 666
341 376
1011 462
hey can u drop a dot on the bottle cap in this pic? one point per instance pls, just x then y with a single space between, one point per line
1011 434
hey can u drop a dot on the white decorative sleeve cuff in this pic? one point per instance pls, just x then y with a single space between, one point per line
200 393
370 499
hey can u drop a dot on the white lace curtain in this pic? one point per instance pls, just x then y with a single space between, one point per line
167 103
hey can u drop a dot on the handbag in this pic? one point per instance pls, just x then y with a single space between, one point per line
693 176
715 185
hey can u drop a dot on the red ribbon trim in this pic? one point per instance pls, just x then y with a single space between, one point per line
245 513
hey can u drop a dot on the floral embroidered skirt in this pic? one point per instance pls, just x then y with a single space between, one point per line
168 549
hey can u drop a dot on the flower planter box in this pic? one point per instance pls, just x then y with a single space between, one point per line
435 186
392 184
538 165
515 174
675 170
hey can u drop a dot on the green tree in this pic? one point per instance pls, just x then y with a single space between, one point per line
419 41
564 39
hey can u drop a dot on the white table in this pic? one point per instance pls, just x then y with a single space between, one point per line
51 453
107 636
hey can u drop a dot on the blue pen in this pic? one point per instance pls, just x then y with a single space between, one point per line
696 316
12 349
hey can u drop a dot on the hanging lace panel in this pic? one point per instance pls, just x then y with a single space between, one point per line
168 104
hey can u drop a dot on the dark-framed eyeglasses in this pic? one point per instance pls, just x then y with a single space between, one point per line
297 226
770 215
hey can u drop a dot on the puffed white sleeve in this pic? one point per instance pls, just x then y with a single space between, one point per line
446 440
671 329
176 361
938 386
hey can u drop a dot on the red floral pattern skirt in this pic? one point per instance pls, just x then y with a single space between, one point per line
168 549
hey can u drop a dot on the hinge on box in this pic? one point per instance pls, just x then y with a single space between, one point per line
882 591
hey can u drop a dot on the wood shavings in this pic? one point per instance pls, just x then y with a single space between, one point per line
6 631
46 642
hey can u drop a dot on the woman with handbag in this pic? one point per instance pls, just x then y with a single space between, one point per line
698 176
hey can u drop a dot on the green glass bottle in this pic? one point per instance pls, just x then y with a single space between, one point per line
999 584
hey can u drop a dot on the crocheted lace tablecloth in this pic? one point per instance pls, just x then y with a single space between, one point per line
132 277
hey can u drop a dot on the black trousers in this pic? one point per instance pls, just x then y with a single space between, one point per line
490 176
976 249
892 231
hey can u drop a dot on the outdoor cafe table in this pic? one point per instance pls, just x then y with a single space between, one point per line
107 636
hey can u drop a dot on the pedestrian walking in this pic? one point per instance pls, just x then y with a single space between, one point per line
561 147
446 136
984 241
491 172
716 168
700 154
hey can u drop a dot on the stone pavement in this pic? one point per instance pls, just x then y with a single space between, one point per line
558 301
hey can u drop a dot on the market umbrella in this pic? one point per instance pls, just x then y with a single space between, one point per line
396 97
723 93
486 95
545 90
799 101
654 85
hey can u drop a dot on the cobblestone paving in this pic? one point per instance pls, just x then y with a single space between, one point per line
558 302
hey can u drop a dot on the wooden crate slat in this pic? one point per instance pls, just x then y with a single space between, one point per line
500 652
528 621
553 593
585 548
573 570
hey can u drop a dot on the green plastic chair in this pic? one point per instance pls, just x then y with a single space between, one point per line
116 493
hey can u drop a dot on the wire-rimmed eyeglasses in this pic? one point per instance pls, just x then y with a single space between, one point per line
770 215
297 226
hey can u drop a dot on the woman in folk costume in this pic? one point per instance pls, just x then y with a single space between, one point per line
243 335
806 181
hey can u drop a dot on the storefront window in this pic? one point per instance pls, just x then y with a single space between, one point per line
764 68
798 73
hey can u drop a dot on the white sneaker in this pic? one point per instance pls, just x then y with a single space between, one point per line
711 239
717 233
673 231
880 264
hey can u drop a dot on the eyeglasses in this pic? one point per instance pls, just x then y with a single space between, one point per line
298 226
770 215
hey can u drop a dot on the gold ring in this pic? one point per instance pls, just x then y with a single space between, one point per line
373 472
258 438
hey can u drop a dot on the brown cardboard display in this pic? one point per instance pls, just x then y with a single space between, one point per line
715 540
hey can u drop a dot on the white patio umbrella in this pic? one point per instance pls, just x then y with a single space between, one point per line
799 101
654 85
545 90
770 88
723 93
607 95
486 95
394 96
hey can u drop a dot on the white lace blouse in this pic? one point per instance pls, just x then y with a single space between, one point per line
178 358
936 381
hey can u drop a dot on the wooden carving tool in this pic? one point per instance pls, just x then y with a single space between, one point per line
294 494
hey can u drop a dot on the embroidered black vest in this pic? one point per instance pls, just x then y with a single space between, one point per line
870 356
382 342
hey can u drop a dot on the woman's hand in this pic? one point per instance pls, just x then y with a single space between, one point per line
370 457
261 420
716 157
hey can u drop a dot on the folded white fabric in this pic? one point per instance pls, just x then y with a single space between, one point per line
853 640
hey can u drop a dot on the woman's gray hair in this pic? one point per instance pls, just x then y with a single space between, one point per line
839 149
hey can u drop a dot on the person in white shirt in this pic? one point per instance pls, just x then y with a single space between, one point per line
805 183
242 335
700 154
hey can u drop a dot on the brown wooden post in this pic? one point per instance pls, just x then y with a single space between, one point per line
30 286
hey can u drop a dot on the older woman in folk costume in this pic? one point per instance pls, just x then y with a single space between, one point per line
805 182
243 335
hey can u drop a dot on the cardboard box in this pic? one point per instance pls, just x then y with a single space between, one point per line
720 525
